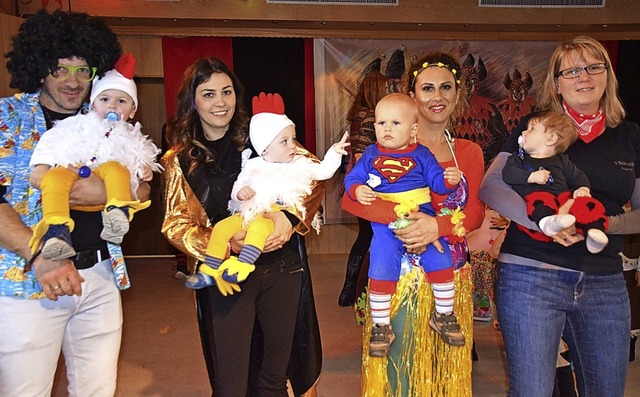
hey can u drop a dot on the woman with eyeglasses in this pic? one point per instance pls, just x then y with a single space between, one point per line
545 289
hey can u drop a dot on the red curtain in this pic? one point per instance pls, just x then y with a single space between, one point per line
309 98
612 48
179 53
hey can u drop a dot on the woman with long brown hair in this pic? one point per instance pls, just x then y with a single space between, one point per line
207 136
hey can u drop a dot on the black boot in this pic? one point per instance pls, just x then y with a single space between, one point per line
348 293
632 348
474 353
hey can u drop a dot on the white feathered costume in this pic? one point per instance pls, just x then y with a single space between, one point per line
282 184
77 140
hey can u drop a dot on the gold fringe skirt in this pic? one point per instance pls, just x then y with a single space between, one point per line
421 364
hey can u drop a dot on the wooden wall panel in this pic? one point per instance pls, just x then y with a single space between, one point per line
411 19
409 11
333 239
144 237
148 53
420 19
8 7
8 28
151 112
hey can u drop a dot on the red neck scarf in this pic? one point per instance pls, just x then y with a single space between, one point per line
589 126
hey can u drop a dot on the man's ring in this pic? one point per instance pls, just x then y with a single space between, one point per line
55 288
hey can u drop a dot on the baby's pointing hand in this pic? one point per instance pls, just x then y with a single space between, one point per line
340 146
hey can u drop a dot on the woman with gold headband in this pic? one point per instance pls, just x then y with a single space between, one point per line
420 362
545 289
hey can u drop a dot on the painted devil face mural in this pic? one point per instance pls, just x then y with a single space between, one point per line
497 84
394 69
517 87
518 103
473 123
509 111
475 74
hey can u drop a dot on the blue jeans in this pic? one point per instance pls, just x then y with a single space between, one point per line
534 305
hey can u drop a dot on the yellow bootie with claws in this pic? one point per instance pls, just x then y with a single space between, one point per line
235 271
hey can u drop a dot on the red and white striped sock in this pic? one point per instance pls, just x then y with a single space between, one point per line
443 295
380 307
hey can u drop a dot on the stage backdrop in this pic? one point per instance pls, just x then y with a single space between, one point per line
507 75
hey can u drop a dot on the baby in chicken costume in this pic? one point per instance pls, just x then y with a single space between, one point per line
278 179
102 142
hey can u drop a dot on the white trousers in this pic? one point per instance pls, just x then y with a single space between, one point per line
87 329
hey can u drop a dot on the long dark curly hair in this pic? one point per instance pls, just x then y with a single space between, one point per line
44 38
185 127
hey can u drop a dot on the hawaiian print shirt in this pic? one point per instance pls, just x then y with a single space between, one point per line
22 123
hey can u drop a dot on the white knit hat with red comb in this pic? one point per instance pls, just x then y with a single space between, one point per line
118 78
268 120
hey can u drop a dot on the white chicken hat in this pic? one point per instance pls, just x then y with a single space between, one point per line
268 120
118 78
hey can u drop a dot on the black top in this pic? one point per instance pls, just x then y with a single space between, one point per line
611 162
566 176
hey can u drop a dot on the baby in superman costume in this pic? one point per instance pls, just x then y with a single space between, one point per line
395 175
402 172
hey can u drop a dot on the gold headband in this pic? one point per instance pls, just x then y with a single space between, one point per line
438 64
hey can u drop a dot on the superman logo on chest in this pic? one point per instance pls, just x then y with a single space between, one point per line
393 168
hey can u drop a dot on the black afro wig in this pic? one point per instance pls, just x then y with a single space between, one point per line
44 38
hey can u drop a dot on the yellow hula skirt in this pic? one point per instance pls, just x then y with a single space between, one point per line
421 364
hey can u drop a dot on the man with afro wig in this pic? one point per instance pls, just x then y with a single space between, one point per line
50 306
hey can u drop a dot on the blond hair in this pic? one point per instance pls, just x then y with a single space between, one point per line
583 46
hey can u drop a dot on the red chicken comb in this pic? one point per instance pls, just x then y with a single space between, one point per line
268 103
126 65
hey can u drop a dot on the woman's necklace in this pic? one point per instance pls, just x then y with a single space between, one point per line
450 139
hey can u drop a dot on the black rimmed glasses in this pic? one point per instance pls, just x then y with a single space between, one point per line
574 73
84 73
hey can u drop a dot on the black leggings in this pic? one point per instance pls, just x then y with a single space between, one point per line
270 295
361 246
